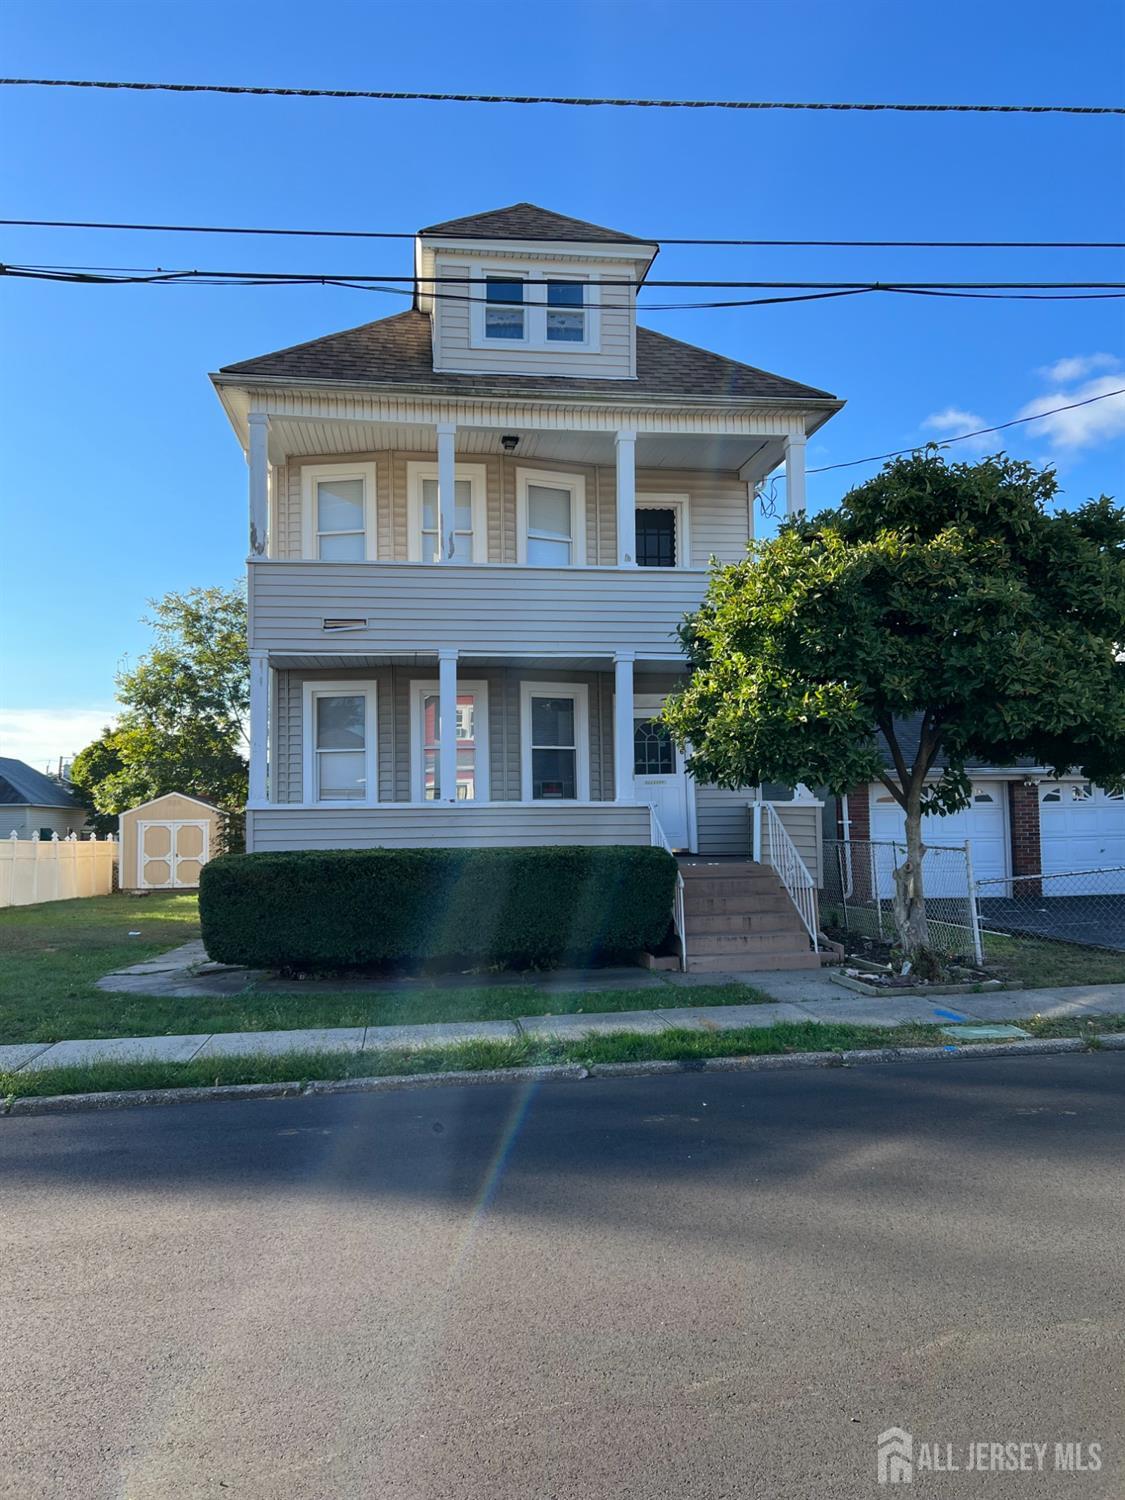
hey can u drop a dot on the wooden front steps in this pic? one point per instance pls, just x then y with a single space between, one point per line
739 917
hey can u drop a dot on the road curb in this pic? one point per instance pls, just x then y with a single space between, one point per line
58 1104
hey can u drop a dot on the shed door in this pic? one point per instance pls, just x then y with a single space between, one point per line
170 855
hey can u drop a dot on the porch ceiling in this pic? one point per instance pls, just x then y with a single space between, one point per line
301 437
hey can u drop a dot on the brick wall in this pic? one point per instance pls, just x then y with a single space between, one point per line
1023 810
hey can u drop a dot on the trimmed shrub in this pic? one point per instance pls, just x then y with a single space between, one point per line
332 908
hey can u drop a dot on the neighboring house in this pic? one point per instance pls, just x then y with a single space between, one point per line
492 511
1021 821
31 803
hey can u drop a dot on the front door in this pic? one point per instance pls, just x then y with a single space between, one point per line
660 777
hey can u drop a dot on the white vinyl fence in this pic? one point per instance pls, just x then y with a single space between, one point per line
55 869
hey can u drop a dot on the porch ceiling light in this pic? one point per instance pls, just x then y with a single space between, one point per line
509 442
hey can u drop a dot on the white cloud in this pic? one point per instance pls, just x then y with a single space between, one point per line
1082 426
40 735
1077 367
954 419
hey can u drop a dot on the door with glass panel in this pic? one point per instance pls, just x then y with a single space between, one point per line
659 777
472 743
340 745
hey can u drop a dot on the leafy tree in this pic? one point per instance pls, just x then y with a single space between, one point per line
183 721
948 594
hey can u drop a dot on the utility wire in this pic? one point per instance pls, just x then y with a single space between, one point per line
397 96
978 432
402 234
797 291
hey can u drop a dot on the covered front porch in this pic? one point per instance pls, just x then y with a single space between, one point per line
348 751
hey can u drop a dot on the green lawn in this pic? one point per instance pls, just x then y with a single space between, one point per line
516 1052
1035 964
50 956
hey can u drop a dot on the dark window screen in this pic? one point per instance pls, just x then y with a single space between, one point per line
656 538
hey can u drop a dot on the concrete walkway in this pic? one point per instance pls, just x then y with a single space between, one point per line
861 1010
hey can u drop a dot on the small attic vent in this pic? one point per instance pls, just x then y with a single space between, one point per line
333 622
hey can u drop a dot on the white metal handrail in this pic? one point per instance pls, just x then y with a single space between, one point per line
771 838
659 839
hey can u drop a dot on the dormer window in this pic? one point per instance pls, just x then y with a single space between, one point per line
533 307
504 312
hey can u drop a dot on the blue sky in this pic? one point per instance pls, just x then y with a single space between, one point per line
122 478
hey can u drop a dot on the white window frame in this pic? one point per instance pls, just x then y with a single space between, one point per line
477 475
581 695
535 276
681 504
576 484
419 692
317 688
311 475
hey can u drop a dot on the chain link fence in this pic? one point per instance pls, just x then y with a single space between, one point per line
1084 907
857 900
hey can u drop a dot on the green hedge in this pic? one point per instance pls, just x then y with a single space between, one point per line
329 909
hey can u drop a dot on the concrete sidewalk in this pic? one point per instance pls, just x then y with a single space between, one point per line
860 1010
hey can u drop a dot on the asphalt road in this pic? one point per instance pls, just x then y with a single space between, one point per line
704 1286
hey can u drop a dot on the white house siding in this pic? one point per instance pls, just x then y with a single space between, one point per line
718 515
453 349
441 827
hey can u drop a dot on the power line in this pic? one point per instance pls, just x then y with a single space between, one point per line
402 234
796 291
427 96
979 432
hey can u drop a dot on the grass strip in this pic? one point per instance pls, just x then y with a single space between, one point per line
677 1045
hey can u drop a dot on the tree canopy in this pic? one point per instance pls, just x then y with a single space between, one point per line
182 725
950 595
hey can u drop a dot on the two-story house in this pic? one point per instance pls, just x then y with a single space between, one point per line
474 528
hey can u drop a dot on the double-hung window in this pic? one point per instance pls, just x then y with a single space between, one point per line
555 742
340 742
472 742
535 308
551 518
662 532
339 512
504 316
470 543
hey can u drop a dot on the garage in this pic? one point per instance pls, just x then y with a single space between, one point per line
1082 827
984 824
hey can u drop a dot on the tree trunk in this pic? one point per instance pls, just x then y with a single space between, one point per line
909 898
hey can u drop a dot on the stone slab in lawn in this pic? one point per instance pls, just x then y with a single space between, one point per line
277 1043
118 1049
728 1017
573 1027
15 1055
436 1034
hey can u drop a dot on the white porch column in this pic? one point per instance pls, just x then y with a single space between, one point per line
447 724
795 475
624 788
259 461
259 724
446 480
626 452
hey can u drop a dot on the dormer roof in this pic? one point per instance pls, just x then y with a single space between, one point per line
527 221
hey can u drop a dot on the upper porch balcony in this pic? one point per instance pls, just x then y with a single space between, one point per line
553 529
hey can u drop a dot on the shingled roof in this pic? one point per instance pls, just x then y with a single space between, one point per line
397 351
527 221
21 785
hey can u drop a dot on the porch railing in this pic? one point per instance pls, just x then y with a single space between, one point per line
771 839
660 840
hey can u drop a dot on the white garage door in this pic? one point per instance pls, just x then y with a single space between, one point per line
1081 827
983 823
